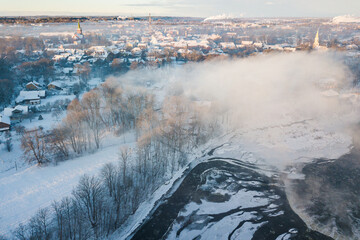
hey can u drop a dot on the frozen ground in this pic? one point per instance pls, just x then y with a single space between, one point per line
29 189
12 161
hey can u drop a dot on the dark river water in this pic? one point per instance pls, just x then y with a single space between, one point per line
330 195
225 199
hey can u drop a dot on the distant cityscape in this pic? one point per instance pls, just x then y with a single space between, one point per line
68 63
150 127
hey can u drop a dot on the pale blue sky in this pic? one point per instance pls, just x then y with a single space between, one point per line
200 8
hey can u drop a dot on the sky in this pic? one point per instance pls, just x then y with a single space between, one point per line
194 8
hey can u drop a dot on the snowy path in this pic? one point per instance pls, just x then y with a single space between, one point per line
24 192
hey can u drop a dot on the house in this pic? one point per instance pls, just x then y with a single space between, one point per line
17 113
4 123
227 45
55 86
30 97
99 52
136 51
33 86
247 43
60 57
68 71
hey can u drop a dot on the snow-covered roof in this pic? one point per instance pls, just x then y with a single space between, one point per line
9 111
56 84
30 95
5 119
67 70
34 83
229 45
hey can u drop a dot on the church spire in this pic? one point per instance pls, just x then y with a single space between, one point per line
316 41
79 30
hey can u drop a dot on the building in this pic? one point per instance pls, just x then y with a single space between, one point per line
4 123
16 114
33 86
54 86
30 97
78 37
316 44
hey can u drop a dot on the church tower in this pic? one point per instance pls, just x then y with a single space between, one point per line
316 41
78 36
79 30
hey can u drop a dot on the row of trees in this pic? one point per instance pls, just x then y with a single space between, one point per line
100 204
43 68
8 46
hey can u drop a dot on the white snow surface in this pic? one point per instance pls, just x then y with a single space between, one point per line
29 189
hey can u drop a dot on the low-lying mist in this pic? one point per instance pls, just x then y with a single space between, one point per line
260 90
286 109
265 94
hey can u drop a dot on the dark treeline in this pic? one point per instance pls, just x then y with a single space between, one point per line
8 46
19 64
67 19
48 19
100 204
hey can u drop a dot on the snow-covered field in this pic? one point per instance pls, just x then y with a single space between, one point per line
9 161
27 190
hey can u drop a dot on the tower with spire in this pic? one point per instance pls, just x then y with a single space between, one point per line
79 30
78 36
316 43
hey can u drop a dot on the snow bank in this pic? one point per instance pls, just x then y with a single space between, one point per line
24 192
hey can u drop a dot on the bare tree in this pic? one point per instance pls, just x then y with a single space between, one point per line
21 232
74 125
83 71
123 156
89 193
35 146
91 103
109 174
8 142
58 140
39 225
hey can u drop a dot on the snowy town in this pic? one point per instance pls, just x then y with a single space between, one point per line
74 63
135 107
